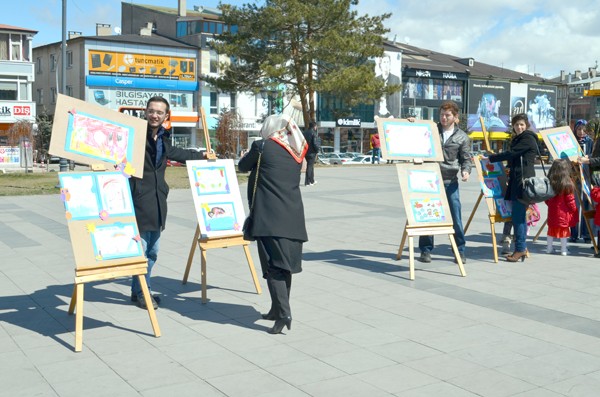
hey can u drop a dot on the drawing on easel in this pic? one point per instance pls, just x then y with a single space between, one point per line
425 200
503 207
489 169
93 135
403 140
210 180
561 143
491 187
423 181
115 194
79 195
115 241
217 197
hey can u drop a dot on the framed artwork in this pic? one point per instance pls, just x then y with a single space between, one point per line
561 143
217 197
492 180
101 219
402 140
91 134
503 207
423 194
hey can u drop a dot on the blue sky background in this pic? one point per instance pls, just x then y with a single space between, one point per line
543 36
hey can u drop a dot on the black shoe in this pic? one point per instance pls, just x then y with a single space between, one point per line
425 257
279 324
463 258
573 239
141 302
134 298
587 240
268 316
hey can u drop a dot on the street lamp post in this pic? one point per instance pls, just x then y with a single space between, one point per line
63 164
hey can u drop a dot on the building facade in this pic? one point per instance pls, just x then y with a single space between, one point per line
16 83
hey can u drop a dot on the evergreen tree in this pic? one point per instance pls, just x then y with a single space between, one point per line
309 46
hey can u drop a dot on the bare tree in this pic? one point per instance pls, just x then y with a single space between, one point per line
228 135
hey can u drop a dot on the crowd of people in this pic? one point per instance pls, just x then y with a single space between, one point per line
278 226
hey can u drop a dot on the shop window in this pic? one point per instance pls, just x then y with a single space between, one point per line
8 90
214 103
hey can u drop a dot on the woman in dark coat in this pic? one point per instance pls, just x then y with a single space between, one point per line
520 158
278 212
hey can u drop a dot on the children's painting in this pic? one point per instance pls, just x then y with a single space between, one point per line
217 197
492 180
423 194
489 169
423 181
561 143
115 241
491 187
503 207
94 135
405 140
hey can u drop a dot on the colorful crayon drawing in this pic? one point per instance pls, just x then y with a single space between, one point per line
491 169
413 140
98 138
423 182
220 217
564 144
490 187
82 201
115 241
428 210
115 195
503 207
210 180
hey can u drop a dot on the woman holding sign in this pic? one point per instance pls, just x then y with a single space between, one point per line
520 158
277 210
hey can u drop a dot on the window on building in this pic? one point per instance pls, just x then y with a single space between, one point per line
214 103
40 96
38 65
232 105
3 47
69 59
214 62
26 49
23 91
16 47
69 90
53 94
52 62
8 90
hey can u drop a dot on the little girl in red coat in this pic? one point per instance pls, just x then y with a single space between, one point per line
562 209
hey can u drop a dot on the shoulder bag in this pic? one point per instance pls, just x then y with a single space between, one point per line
250 218
536 188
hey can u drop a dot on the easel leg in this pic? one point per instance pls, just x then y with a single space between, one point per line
399 254
411 257
73 300
494 243
540 231
191 255
252 270
203 276
473 212
457 255
79 318
591 233
149 305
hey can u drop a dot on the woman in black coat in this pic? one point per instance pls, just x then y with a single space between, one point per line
520 158
277 210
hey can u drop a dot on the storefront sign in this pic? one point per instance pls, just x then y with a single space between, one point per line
347 122
117 98
11 112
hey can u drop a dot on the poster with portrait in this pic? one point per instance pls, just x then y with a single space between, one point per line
492 180
388 69
217 197
100 218
423 194
561 143
404 140
489 100
90 134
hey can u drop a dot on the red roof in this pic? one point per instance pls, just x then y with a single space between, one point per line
10 27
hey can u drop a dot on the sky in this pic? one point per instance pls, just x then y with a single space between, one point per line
529 36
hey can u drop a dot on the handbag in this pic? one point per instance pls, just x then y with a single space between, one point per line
536 189
249 221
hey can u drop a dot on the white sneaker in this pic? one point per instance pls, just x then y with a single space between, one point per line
549 250
564 253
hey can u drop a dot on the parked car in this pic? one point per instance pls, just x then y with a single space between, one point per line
359 160
335 158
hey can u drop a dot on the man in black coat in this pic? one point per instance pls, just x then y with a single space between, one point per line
312 139
150 193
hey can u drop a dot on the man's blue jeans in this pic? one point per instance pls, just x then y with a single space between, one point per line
150 245
375 156
426 242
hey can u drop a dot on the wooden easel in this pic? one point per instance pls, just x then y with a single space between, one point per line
88 270
410 232
206 243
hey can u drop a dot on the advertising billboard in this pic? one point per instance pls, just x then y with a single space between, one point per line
541 106
489 100
388 69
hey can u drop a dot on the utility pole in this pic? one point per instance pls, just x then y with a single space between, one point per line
63 165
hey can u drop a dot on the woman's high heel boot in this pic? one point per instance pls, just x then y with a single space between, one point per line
516 256
279 324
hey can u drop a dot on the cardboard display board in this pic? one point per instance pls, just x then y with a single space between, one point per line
101 220
423 194
217 198
562 143
404 140
90 134
492 179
